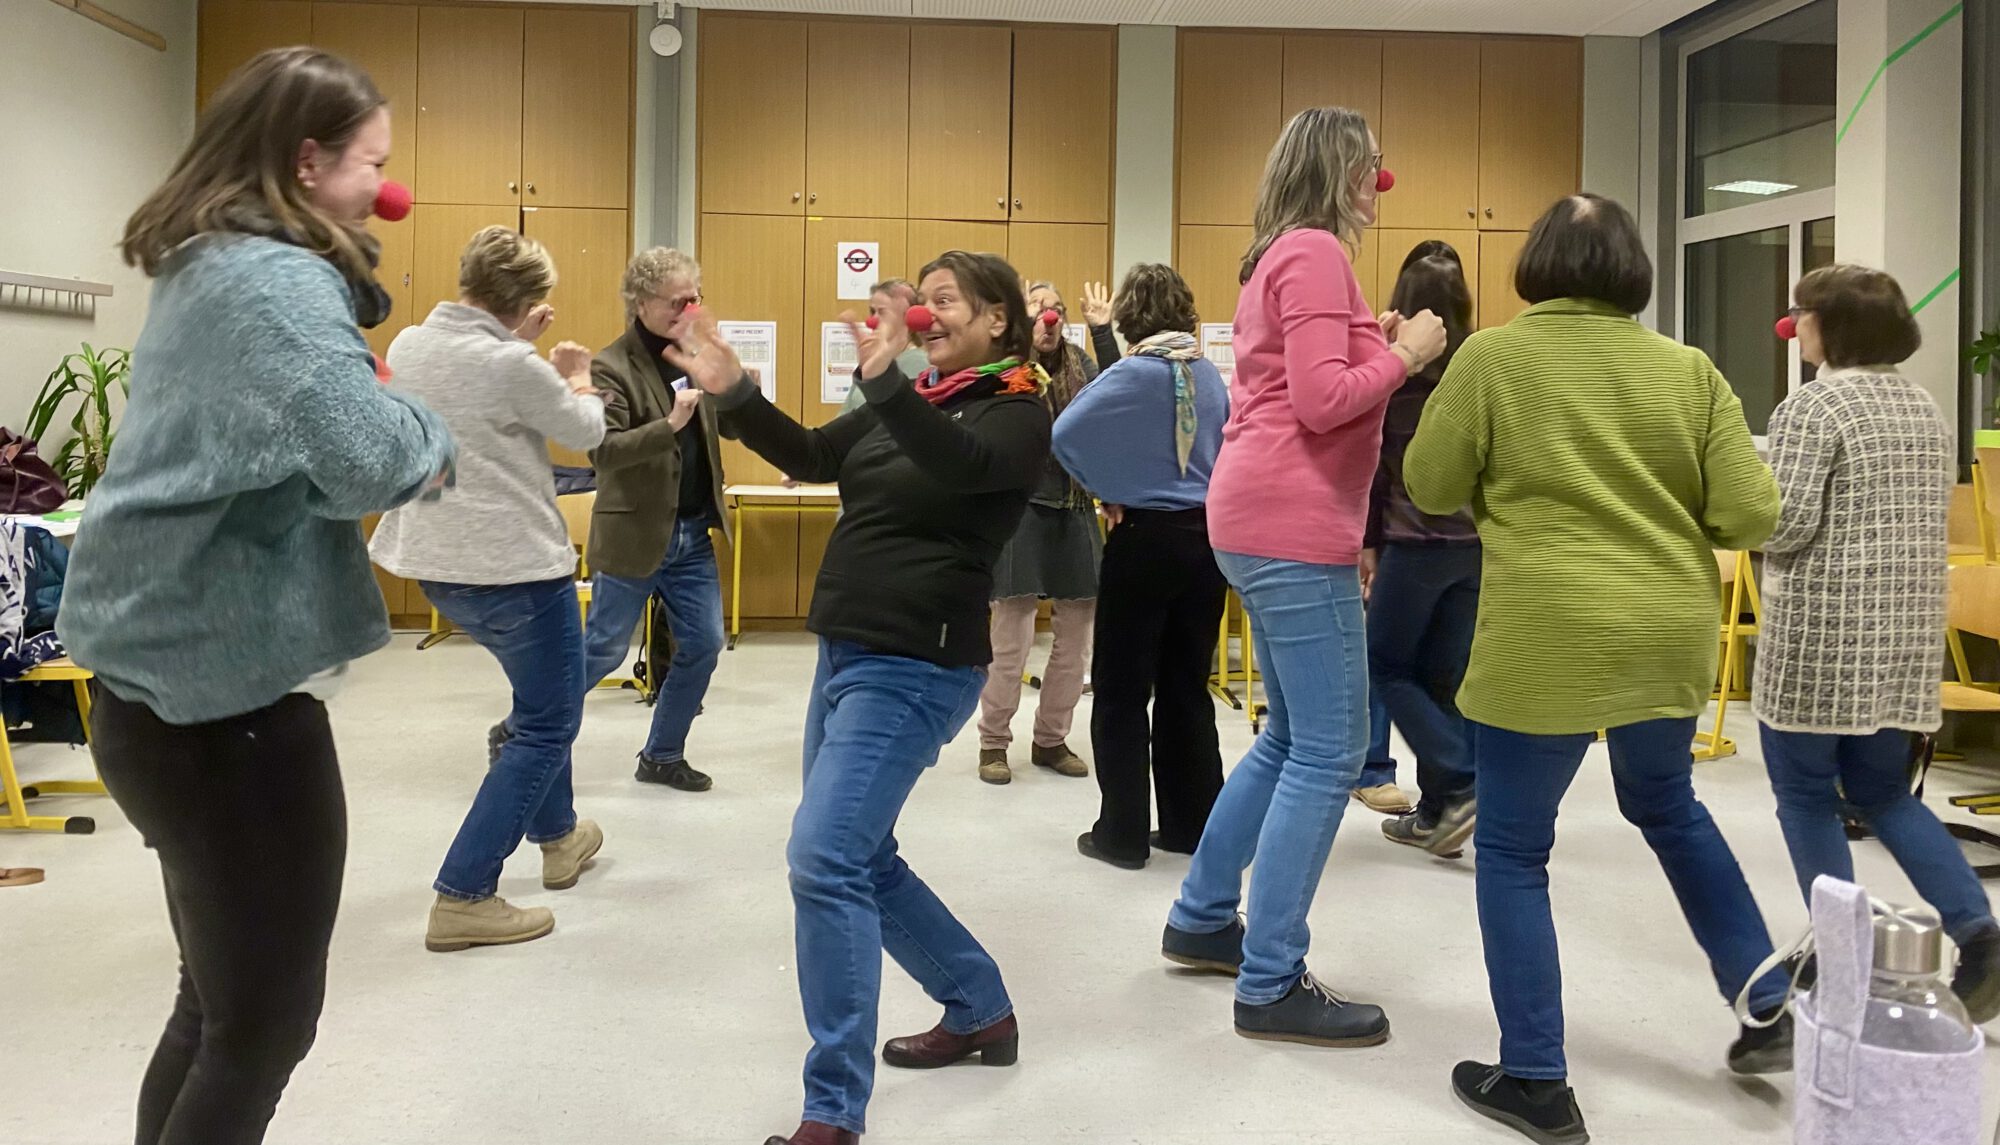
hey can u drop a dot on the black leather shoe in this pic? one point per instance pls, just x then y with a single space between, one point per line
1313 1015
1159 843
673 773
1977 981
1542 1111
1219 952
1086 845
1763 1049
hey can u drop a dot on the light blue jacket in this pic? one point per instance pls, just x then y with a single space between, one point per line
220 561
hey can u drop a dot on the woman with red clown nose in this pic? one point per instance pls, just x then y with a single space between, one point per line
1286 510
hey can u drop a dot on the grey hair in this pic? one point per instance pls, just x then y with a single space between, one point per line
1310 180
900 287
1048 286
651 269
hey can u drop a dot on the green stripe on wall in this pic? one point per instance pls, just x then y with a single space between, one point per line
1951 14
1940 288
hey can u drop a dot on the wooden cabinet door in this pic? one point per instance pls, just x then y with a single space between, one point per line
1393 246
439 235
1430 132
469 105
857 132
930 238
753 270
1230 99
381 41
1065 84
392 586
1498 251
959 79
590 246
826 239
1333 71
396 273
1066 255
576 119
752 108
232 31
1530 129
1209 258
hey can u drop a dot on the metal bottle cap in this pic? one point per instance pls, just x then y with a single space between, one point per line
1908 941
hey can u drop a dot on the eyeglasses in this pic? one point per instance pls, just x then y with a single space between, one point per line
678 302
1797 312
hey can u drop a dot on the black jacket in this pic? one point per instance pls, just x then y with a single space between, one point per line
929 496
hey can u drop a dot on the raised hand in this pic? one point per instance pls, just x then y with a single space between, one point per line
700 351
572 361
1096 304
877 348
685 402
536 323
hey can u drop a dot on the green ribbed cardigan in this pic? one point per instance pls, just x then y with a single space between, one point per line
1604 464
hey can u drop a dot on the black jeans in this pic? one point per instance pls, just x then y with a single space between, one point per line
1159 605
250 823
1421 612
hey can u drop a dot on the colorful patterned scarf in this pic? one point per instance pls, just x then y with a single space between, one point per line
1012 375
1179 348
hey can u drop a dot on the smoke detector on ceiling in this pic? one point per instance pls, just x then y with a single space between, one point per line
665 38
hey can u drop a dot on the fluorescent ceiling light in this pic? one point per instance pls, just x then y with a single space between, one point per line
1755 187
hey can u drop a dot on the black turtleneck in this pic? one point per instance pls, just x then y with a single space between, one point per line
697 497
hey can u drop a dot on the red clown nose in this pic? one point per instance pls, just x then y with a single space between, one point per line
1385 181
1050 318
918 318
874 321
392 202
1788 328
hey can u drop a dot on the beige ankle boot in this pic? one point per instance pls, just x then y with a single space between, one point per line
491 921
1059 759
563 861
993 765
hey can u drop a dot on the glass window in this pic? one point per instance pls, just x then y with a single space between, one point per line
1761 112
1736 287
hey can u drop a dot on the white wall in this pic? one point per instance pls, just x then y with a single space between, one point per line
1143 206
92 121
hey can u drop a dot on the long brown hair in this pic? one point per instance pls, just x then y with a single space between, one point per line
1437 283
240 171
1310 179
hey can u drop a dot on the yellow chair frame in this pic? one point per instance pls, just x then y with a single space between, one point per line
1732 680
13 811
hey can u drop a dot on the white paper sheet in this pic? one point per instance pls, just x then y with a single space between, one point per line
1217 346
756 343
838 357
859 268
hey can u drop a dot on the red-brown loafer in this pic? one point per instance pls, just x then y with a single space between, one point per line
817 1133
998 1044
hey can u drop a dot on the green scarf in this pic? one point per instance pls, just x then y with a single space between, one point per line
1179 348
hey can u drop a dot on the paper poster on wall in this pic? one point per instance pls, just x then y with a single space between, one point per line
859 264
1078 335
756 344
1217 346
838 358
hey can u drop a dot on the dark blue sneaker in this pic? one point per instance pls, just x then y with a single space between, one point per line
1219 952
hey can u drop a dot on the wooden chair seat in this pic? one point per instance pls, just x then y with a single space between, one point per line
1966 698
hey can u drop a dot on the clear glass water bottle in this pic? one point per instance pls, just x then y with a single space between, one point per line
1910 1006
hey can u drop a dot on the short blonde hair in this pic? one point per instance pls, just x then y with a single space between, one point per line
652 269
505 271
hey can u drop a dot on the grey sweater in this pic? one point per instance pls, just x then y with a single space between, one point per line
220 563
1854 580
502 402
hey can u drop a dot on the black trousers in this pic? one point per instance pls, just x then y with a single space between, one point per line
1159 604
250 824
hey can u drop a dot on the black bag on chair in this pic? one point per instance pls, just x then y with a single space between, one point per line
656 648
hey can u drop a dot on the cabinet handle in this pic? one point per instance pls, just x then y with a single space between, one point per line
795 196
1017 204
1470 213
813 198
1489 212
531 188
999 202
513 188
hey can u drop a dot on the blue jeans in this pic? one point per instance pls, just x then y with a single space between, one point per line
1420 619
874 724
1282 804
1873 771
687 580
535 633
1380 768
1521 780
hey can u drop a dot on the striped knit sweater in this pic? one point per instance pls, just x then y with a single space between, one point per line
1854 587
1603 464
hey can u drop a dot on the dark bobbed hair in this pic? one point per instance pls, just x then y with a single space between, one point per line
1154 297
988 281
1586 246
1864 318
1437 283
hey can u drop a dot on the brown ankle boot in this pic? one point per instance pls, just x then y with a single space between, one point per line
814 1133
997 1044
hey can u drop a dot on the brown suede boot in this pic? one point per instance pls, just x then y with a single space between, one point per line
1059 759
993 765
998 1044
814 1133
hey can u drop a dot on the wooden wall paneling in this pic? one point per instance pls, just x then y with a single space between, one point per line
1498 251
590 246
1337 71
397 274
1208 258
959 164
752 109
1429 132
930 238
439 234
1393 246
230 32
1231 91
857 131
469 85
1065 254
1368 272
1530 129
392 586
381 41
815 530
826 238
1065 84
576 117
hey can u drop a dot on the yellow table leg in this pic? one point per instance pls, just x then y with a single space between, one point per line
736 578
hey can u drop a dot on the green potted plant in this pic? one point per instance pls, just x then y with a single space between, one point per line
84 379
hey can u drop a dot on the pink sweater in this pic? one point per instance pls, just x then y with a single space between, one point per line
1313 377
